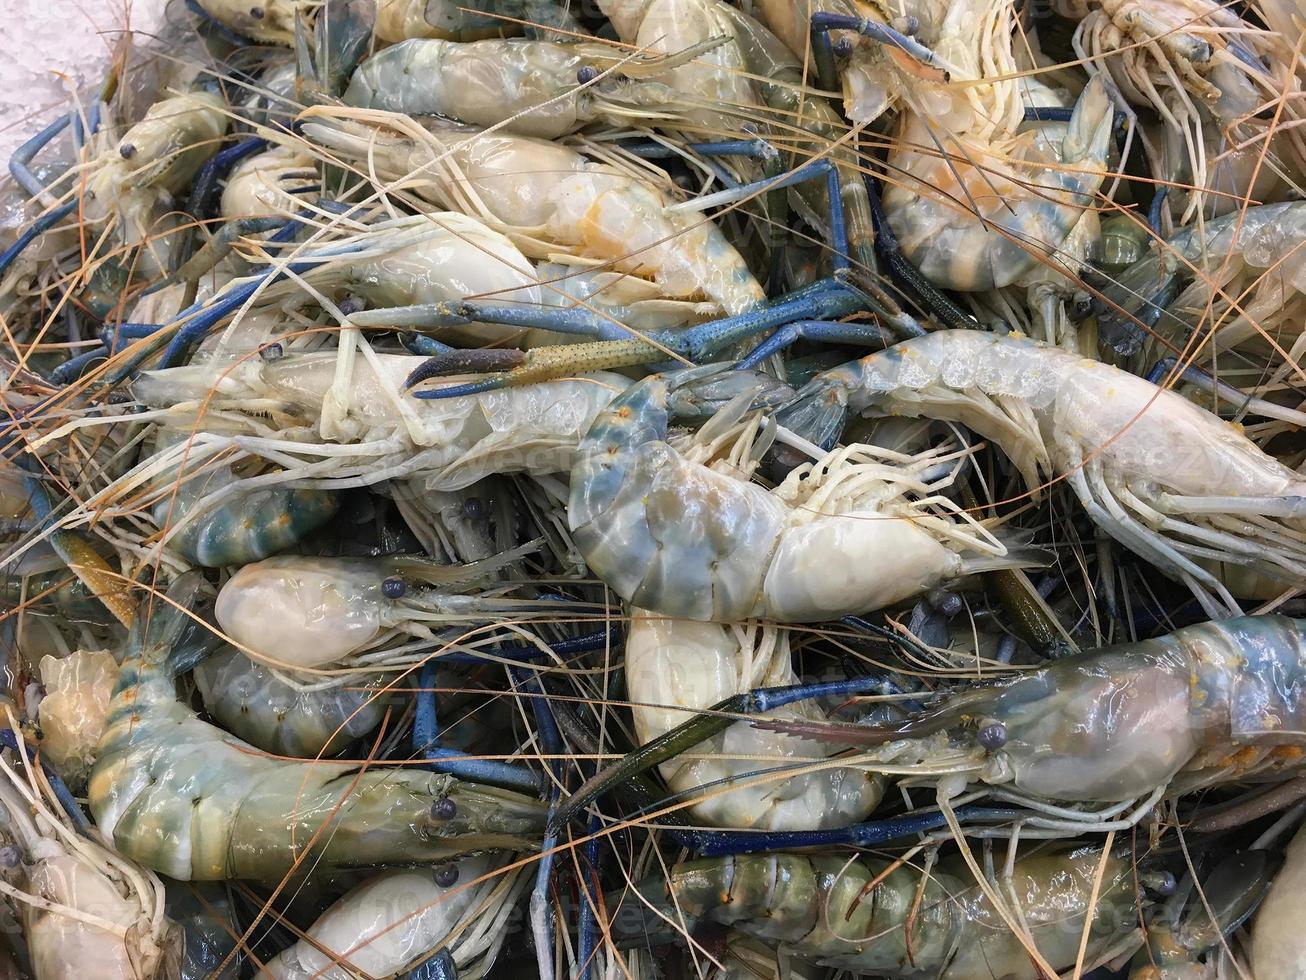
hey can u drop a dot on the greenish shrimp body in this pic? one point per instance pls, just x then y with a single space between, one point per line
186 799
864 915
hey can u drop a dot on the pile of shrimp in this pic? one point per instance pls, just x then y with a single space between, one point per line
659 489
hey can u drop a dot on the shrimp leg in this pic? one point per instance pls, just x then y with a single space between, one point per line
824 22
426 729
822 300
20 160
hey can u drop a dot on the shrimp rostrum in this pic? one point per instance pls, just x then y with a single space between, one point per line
1170 481
183 797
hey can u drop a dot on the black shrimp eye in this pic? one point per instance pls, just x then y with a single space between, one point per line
446 875
350 306
10 856
587 74
393 588
473 509
444 809
272 352
127 151
992 735
843 47
1165 884
256 12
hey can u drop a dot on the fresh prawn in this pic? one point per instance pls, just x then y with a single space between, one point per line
1167 479
183 797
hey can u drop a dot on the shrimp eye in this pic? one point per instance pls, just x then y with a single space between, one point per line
127 151
256 12
843 47
10 856
445 809
393 588
350 306
472 508
1163 883
447 874
992 735
272 352
587 74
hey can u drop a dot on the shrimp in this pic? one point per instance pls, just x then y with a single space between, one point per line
1201 68
1167 479
984 217
673 665
870 915
470 20
265 21
155 159
183 797
398 918
451 443
531 87
673 533
1278 946
79 902
1208 704
544 196
253 703
302 612
1243 284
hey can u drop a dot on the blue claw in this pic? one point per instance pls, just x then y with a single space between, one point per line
862 334
426 731
205 189
718 843
61 791
19 162
900 268
73 368
39 227
456 361
758 149
825 22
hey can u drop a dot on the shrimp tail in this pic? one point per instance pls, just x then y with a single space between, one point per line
1088 136
170 632
817 413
